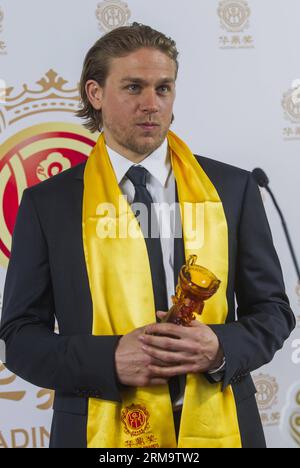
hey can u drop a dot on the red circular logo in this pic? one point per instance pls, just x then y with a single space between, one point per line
136 419
30 157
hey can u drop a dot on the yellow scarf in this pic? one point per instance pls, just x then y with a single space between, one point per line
122 295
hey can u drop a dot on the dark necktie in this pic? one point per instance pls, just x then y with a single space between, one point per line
138 176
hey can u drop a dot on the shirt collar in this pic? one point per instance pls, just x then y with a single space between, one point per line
157 163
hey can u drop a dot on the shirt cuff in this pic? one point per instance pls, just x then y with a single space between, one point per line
219 369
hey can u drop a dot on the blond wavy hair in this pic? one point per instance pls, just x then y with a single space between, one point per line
118 43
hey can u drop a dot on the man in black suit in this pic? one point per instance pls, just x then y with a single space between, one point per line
128 91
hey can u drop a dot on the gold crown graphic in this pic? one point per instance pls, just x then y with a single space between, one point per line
51 97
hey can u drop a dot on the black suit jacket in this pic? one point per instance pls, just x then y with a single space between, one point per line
47 278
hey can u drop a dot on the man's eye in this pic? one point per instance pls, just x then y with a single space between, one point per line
164 89
133 87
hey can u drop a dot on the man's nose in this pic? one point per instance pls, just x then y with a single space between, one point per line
149 101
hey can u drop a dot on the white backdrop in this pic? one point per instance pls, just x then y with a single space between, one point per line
237 68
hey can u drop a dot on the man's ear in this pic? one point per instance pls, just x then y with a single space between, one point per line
94 93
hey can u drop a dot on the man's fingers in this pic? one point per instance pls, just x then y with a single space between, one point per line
196 323
161 314
162 358
158 362
168 343
158 382
168 329
168 372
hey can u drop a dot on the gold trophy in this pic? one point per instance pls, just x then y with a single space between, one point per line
195 285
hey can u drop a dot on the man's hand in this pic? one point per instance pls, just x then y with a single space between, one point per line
132 363
181 350
145 360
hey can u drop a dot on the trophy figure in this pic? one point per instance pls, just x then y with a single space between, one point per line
195 285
